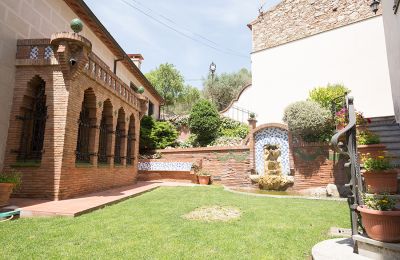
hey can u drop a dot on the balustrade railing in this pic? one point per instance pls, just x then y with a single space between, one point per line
41 50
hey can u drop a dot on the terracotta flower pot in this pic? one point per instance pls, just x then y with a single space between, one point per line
381 225
204 180
5 192
381 181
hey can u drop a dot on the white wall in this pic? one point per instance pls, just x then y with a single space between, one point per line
392 32
354 55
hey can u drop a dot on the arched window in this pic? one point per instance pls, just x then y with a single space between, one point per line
130 151
106 131
33 116
119 136
87 118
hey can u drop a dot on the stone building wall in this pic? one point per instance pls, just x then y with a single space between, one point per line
292 20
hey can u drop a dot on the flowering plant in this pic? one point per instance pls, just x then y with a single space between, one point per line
379 163
379 202
341 118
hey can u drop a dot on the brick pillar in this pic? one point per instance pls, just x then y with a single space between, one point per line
253 125
111 126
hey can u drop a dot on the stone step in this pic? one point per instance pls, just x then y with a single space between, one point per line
382 118
387 133
390 139
379 128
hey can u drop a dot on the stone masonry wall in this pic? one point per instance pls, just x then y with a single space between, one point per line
229 166
296 19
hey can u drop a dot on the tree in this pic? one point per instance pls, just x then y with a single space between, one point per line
330 97
224 87
168 81
204 121
187 98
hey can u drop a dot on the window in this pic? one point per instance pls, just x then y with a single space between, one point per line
34 115
151 109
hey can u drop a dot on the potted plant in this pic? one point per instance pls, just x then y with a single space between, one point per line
8 182
378 174
342 121
380 218
204 177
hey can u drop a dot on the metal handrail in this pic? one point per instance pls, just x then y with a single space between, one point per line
350 149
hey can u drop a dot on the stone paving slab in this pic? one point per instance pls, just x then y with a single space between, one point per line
87 203
335 249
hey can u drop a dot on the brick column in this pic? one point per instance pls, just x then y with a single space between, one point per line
253 125
111 125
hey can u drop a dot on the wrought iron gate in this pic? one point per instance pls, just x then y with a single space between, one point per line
33 128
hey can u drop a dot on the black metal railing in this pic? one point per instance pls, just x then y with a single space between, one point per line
130 147
344 141
33 128
82 146
103 141
119 135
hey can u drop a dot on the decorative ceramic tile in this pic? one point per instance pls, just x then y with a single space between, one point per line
272 136
48 52
165 166
34 55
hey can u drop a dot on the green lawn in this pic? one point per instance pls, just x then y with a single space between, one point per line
151 227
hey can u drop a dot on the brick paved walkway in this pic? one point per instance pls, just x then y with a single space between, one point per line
87 203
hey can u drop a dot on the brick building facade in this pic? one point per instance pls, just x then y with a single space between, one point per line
74 123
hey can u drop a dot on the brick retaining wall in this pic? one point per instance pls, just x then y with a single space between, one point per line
229 166
316 165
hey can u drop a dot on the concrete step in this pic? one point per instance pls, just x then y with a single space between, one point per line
393 132
382 118
379 128
390 139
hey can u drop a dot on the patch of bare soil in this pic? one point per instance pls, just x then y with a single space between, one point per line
213 213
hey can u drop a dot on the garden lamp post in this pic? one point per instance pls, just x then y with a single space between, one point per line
213 68
375 5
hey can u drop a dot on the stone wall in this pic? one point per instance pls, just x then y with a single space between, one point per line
229 166
296 19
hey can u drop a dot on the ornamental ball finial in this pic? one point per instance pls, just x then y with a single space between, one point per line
76 25
140 90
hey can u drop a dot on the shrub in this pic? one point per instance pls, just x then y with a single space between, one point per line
190 142
11 176
309 120
232 128
325 96
146 125
366 137
156 135
164 134
204 121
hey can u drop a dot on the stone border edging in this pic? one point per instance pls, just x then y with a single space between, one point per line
284 196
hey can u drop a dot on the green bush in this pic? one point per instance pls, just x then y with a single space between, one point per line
325 96
310 121
204 121
156 135
146 125
232 128
164 134
11 176
227 141
366 137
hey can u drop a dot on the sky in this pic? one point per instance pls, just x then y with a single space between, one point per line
221 24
